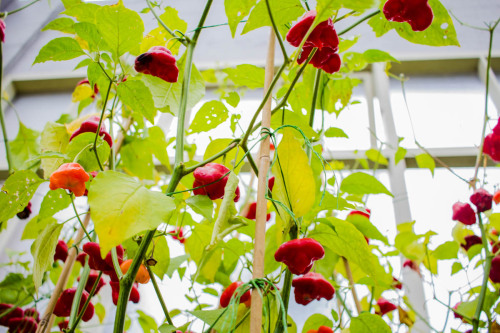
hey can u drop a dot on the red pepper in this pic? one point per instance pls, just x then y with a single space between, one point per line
384 306
495 270
91 281
90 126
396 283
22 325
299 254
417 13
411 265
482 199
359 212
180 234
212 173
321 329
134 297
61 251
69 176
2 30
159 62
16 313
63 325
25 213
227 294
32 313
252 212
324 37
105 265
310 287
270 184
471 240
64 302
464 213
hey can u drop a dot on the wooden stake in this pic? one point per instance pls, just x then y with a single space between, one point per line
261 213
351 283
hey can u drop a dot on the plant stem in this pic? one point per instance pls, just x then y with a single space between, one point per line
183 41
484 286
230 147
128 279
2 118
78 295
355 24
277 33
158 293
287 286
86 304
116 263
78 217
99 126
2 15
315 96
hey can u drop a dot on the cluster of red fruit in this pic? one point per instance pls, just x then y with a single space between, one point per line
19 320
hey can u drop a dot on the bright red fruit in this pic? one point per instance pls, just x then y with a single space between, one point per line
180 234
32 313
91 281
90 126
359 212
417 13
321 329
270 183
482 199
495 270
22 325
491 146
159 62
69 176
324 37
227 294
252 212
471 240
385 306
212 173
2 30
411 265
16 313
299 254
63 305
61 251
312 286
496 197
134 297
63 325
464 213
396 283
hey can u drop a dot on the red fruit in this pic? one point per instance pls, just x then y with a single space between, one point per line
25 213
455 314
64 302
2 30
495 270
471 240
22 325
86 81
81 258
95 260
321 329
135 297
215 175
16 313
359 213
91 281
464 213
312 286
69 176
90 126
385 306
491 146
482 199
119 255
227 294
412 265
324 37
63 324
61 251
496 197
270 183
159 62
417 13
32 313
299 254
396 283
252 211
180 234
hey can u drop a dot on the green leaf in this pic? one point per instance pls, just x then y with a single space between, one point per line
121 28
171 18
230 159
162 256
166 328
16 289
246 76
17 192
367 322
43 250
175 263
237 10
274 238
53 202
82 11
63 48
447 250
62 24
148 323
338 94
362 183
137 159
334 132
201 204
294 119
54 138
494 220
400 154
375 156
374 55
284 11
363 224
122 207
100 311
294 183
82 145
456 267
467 309
210 316
196 243
426 161
137 96
88 32
158 145
208 117
36 225
24 147
346 241
327 8
315 321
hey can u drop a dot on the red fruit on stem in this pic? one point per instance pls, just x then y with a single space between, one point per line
464 213
482 199
455 314
119 255
2 30
227 294
299 254
411 265
252 212
355 213
95 260
471 240
69 176
180 234
22 325
417 13
81 258
16 313
321 329
212 173
159 62
134 297
495 270
91 281
32 313
270 183
64 302
496 197
385 306
312 286
90 126
63 325
396 283
61 251
491 146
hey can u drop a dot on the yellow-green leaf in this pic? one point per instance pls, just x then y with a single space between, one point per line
43 250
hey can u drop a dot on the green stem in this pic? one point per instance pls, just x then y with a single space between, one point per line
287 286
128 279
344 16
112 157
355 24
86 304
99 126
78 217
230 147
484 286
2 119
3 15
158 293
116 264
78 295
315 96
182 41
277 33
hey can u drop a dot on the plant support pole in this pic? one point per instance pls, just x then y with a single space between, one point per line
261 213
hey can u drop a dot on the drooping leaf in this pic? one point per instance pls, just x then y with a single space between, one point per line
368 322
82 11
58 49
158 145
122 207
363 183
16 289
447 250
338 94
147 323
62 24
374 55
24 147
334 132
36 225
137 96
237 10
208 117
88 32
43 250
162 256
53 202
201 204
363 224
171 18
286 117
284 11
400 154
246 75
426 161
54 138
376 156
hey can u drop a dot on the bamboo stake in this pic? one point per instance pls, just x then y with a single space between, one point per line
351 284
261 213
48 318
